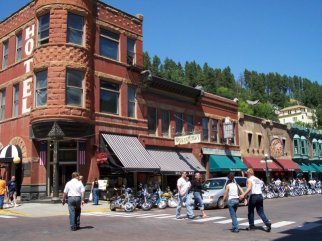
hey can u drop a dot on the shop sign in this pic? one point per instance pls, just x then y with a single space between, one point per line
228 127
188 139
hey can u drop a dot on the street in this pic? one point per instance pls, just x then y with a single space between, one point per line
293 218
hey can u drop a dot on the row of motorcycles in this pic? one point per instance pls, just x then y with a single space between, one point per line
274 191
127 201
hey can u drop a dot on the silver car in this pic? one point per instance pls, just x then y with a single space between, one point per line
215 189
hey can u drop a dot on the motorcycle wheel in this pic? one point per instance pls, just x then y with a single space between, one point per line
112 206
146 206
129 207
162 204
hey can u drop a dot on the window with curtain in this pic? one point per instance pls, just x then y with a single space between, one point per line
131 101
74 87
41 89
214 131
152 120
109 97
43 29
75 28
165 123
2 103
130 51
191 124
205 129
109 44
18 46
15 106
5 54
179 123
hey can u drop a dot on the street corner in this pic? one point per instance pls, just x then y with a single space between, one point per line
89 208
12 212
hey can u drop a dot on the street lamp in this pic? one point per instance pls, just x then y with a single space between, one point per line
267 175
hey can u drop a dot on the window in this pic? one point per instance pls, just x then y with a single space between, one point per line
284 146
165 123
179 123
214 131
259 140
75 28
2 103
152 120
74 87
296 146
109 97
15 105
43 29
205 129
250 137
191 124
18 46
109 44
5 54
131 101
303 147
130 51
41 89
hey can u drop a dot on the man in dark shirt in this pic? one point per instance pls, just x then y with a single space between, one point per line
12 191
196 188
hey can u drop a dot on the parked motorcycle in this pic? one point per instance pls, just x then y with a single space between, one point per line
124 201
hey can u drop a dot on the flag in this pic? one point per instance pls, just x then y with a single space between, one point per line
81 153
42 153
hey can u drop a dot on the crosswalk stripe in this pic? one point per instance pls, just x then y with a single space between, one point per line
281 224
309 226
229 220
257 221
169 216
208 219
4 216
152 216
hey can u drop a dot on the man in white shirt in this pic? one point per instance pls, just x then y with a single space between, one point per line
74 190
183 190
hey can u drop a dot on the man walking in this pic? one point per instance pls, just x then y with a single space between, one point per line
183 190
3 191
196 187
74 191
255 200
12 191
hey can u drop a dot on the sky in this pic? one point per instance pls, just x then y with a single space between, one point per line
280 36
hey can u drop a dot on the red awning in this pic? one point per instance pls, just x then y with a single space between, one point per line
288 165
258 164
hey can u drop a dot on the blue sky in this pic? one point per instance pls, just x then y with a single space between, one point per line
283 36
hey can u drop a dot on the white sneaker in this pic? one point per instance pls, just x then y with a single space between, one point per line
16 205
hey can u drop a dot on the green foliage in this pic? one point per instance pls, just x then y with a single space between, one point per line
245 108
265 111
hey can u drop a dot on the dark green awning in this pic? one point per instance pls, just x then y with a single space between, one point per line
317 166
306 167
221 163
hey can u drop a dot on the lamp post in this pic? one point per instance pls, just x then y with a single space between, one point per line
267 174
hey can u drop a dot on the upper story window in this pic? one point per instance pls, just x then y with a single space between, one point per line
214 131
259 141
131 101
18 46
165 123
2 103
179 123
75 29
191 124
109 44
74 87
43 29
130 51
303 146
249 138
109 97
205 129
15 106
152 120
41 89
296 144
5 54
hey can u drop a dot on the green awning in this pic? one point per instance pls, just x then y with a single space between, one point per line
220 163
317 166
306 167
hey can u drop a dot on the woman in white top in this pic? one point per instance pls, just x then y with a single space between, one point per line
232 194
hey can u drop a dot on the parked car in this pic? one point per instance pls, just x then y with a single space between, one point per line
215 189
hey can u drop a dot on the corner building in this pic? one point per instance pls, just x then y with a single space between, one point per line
74 97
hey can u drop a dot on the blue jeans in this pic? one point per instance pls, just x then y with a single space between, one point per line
198 200
256 201
181 200
74 208
232 206
96 194
1 201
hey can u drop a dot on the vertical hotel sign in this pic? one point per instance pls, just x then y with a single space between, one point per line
28 49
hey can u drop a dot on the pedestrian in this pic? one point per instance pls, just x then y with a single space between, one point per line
255 201
3 191
12 191
183 190
74 194
231 193
95 192
196 188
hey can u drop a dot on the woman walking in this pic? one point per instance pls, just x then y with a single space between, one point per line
232 194
95 191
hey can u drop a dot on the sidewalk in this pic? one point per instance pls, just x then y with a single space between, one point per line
45 209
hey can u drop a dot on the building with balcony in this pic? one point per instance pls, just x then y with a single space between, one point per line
297 113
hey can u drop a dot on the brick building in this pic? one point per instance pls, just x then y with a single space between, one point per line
74 96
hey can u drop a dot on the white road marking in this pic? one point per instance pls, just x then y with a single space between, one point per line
257 221
229 220
152 216
208 219
5 216
168 216
281 224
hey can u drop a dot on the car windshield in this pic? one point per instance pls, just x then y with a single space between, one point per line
214 184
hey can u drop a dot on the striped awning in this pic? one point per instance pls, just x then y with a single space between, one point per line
172 162
9 152
131 153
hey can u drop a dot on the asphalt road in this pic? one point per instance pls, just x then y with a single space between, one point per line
296 218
